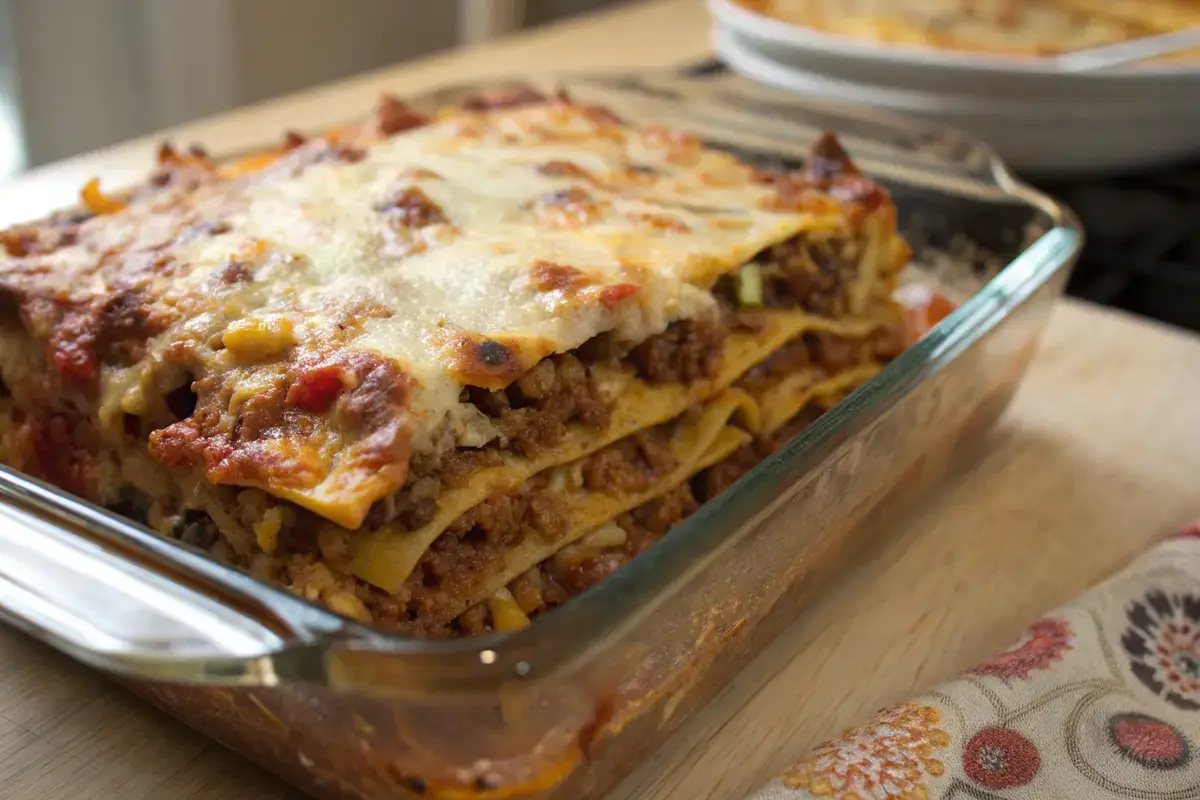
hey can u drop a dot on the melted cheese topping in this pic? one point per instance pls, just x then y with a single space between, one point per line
328 308
993 26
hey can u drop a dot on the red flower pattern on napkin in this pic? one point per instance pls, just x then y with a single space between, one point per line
1098 700
999 758
1044 643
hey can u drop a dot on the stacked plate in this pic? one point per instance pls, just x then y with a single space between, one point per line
1040 118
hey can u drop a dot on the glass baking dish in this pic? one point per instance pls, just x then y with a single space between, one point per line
566 706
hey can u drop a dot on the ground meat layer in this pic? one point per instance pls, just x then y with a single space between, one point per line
579 567
478 542
310 559
629 466
813 273
533 413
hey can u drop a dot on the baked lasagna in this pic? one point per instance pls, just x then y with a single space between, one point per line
441 373
996 27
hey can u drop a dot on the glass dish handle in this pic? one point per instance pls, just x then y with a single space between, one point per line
102 590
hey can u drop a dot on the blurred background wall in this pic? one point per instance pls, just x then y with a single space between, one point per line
80 74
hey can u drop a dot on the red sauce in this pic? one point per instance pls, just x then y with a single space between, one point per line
316 389
922 311
611 296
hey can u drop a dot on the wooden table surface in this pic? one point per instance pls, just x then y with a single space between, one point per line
1098 456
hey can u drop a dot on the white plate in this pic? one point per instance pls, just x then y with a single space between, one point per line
775 34
1129 125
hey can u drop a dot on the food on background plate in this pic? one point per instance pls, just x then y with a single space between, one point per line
996 27
441 373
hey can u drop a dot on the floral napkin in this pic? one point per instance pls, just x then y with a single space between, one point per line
1100 699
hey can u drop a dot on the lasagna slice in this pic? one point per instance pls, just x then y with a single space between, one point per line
403 366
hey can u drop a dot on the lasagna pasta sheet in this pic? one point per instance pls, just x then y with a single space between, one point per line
753 422
784 400
695 444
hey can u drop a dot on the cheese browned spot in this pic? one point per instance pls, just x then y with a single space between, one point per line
492 363
550 277
568 208
395 116
664 223
829 176
564 169
19 242
413 209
